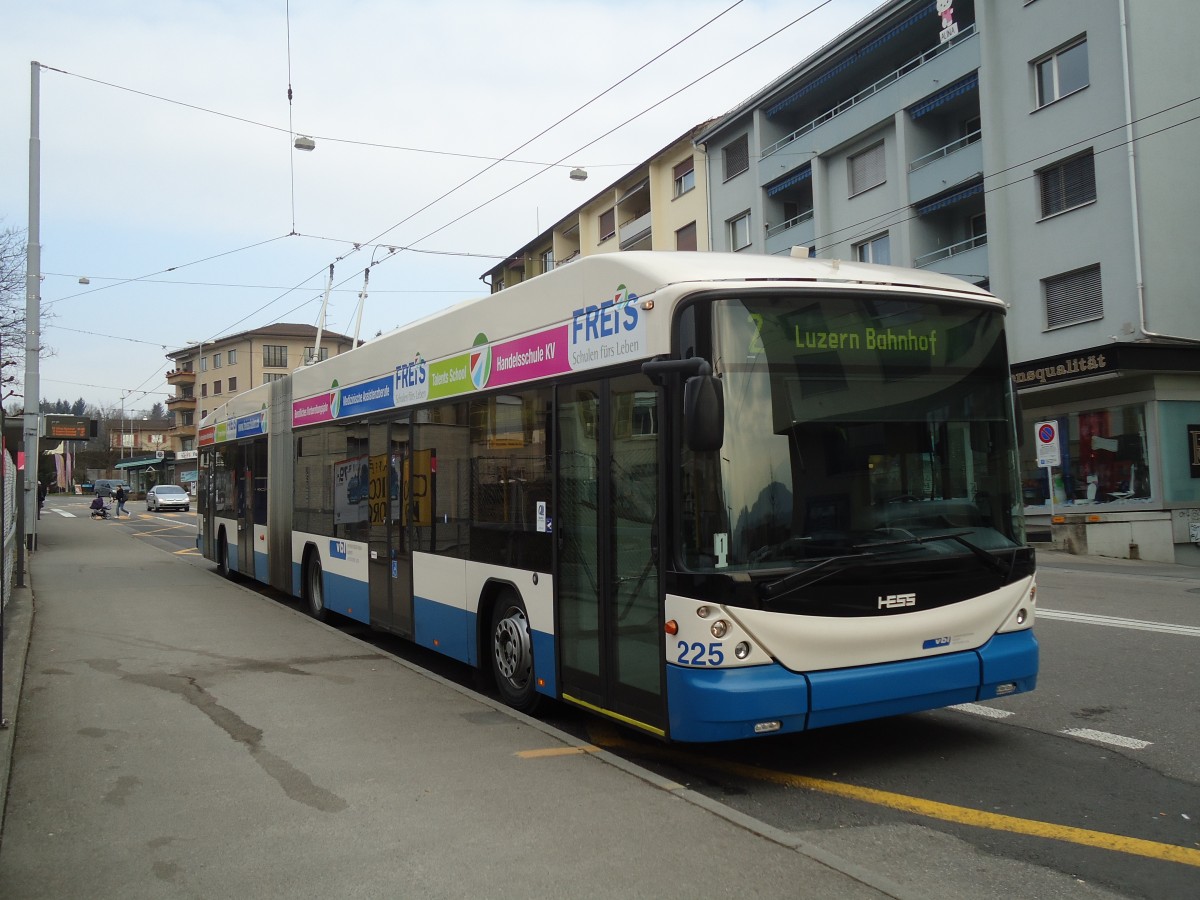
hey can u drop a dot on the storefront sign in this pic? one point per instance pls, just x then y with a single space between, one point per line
1059 369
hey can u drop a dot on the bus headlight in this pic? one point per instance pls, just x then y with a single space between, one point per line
719 628
742 650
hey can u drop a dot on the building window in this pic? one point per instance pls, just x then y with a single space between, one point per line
867 169
1061 73
1068 184
607 221
232 384
1074 297
217 387
308 355
203 414
685 237
876 250
547 260
685 176
233 357
275 356
216 360
187 418
268 377
204 390
739 231
204 364
737 157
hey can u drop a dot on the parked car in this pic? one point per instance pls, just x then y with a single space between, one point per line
106 487
167 496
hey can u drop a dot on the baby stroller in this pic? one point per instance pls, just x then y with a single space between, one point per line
99 510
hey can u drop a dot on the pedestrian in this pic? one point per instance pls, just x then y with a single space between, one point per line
120 496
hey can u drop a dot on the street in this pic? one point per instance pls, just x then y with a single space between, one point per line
1093 775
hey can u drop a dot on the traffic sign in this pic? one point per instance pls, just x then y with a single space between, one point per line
1048 452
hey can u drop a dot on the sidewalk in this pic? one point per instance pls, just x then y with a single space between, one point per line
181 736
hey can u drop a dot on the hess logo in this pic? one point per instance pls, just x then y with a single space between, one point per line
895 601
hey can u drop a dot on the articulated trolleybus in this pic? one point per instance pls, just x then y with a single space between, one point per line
709 496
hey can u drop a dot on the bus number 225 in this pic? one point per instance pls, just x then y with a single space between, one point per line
698 654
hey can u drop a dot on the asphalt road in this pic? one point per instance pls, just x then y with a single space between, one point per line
1094 776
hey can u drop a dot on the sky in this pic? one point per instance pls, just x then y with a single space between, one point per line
169 179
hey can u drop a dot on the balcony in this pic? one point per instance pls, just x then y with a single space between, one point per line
799 231
954 163
181 376
967 260
634 231
181 402
940 64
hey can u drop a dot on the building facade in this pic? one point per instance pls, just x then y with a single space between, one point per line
658 205
209 374
1038 149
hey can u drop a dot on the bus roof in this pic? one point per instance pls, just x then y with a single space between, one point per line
588 282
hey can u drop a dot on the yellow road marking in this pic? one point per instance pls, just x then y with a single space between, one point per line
189 550
556 751
932 809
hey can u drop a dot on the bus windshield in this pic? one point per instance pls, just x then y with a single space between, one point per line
874 425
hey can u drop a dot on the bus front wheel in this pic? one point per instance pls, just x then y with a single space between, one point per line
314 589
512 654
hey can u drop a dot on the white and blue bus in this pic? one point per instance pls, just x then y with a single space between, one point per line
709 496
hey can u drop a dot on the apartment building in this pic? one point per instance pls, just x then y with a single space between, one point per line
208 374
660 204
1041 149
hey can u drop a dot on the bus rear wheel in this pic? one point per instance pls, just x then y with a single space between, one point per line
512 654
314 589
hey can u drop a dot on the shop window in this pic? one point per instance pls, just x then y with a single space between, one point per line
1105 459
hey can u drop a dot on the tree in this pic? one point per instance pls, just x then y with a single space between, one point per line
158 411
12 311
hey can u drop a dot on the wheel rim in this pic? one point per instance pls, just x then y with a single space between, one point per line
514 659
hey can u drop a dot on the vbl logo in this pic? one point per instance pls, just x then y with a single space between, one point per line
337 549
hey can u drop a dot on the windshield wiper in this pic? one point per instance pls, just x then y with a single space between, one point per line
790 583
957 536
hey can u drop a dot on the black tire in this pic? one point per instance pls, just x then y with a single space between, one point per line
313 589
511 647
223 557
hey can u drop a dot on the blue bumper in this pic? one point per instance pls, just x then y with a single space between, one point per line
726 704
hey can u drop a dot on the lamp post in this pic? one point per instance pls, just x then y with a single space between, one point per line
33 279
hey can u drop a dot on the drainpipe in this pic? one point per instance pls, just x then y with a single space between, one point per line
1133 188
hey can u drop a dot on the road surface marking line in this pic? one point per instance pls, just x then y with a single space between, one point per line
1115 622
933 809
64 513
190 550
977 709
556 751
1104 737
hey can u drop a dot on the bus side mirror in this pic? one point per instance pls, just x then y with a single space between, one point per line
704 413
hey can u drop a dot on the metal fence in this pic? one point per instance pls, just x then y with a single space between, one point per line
9 527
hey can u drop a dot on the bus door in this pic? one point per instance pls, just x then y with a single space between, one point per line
609 607
390 557
250 491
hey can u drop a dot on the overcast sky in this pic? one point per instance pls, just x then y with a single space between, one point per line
180 207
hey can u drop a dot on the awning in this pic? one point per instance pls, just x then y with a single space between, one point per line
150 461
892 32
970 83
793 179
852 58
812 85
637 188
950 199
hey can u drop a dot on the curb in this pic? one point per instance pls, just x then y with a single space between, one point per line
18 627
